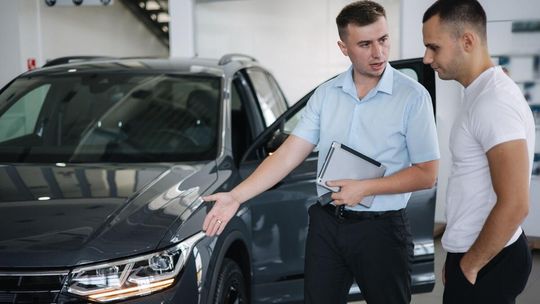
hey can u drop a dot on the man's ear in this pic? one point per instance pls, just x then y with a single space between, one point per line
469 40
343 48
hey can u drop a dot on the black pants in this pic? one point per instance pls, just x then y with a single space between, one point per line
500 281
375 252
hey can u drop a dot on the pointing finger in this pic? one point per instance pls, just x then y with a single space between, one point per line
207 220
209 198
213 226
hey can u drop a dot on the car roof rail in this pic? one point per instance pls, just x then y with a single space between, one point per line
235 56
71 59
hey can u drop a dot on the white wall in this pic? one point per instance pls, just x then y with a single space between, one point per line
181 28
95 30
296 40
9 37
500 15
30 29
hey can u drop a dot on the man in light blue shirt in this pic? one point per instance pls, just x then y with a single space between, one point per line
393 124
380 112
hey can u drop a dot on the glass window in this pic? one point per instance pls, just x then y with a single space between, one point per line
409 72
110 117
20 119
270 98
291 123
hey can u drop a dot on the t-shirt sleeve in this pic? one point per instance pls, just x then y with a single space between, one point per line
421 132
308 127
495 121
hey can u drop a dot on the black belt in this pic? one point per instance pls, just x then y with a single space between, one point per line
341 213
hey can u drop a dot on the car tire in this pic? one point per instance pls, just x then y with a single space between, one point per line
231 285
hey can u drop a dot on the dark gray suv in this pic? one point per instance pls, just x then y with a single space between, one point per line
102 167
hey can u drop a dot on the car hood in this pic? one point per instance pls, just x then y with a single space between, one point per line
72 215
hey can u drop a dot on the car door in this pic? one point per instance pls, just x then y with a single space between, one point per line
279 215
421 206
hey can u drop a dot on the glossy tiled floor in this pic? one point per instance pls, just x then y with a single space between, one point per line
531 294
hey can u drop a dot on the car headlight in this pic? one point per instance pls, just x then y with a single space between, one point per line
131 277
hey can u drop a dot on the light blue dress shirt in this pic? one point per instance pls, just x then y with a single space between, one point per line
393 124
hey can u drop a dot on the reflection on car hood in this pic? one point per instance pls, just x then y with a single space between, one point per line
64 216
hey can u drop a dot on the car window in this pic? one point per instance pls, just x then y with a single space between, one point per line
271 100
418 71
269 140
241 129
291 123
110 117
21 118
409 72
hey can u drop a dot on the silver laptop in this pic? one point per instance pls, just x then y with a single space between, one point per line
343 162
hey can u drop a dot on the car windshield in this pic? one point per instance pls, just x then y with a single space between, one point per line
109 117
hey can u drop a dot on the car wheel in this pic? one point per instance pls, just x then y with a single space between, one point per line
231 286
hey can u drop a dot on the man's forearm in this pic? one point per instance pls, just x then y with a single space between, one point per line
273 169
416 177
499 227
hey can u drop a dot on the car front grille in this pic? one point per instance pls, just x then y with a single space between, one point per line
31 287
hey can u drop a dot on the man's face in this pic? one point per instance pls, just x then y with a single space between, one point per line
442 49
367 47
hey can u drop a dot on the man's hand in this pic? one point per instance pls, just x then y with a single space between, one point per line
469 270
351 192
444 274
224 209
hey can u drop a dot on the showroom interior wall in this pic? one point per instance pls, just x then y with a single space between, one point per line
31 29
181 28
296 40
16 41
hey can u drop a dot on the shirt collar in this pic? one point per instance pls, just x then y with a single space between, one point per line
387 80
480 82
385 84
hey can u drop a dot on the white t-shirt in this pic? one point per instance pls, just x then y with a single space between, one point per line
493 111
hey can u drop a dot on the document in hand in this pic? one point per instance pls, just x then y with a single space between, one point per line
343 162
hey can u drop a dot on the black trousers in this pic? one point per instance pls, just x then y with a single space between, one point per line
500 281
375 252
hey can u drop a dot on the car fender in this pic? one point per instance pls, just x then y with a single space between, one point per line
236 231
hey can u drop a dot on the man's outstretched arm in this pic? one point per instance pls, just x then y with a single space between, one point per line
273 169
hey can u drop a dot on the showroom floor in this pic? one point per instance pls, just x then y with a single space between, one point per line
531 294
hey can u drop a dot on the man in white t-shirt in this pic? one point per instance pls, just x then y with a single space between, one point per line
492 146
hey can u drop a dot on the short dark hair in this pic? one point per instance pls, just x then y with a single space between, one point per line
459 13
360 13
